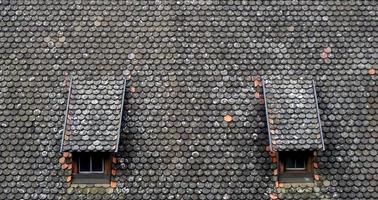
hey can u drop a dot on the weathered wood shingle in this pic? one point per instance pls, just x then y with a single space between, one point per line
292 113
93 115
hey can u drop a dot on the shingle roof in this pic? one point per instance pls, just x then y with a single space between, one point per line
188 64
94 113
292 113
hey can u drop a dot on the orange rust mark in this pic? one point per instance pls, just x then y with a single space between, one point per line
275 172
316 165
114 160
62 160
113 184
257 83
273 196
114 172
66 137
227 118
132 89
279 185
68 179
371 71
64 166
327 50
324 55
317 177
273 156
257 95
271 121
67 155
66 81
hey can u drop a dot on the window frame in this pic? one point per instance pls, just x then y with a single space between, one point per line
91 177
295 159
296 175
91 165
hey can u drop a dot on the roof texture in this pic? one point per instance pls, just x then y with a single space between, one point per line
93 117
188 64
292 113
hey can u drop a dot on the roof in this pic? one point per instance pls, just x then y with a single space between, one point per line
94 113
188 64
292 113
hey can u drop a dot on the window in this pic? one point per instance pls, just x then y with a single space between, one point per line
296 167
93 168
295 162
91 164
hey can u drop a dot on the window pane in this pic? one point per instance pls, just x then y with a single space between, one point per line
97 163
84 163
290 162
296 161
300 162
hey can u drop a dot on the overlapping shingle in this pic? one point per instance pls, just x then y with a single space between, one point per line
93 118
189 64
292 113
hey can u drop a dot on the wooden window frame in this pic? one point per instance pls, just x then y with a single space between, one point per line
91 177
91 165
296 175
286 168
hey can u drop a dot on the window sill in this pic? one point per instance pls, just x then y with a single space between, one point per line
296 185
296 177
91 179
89 185
90 188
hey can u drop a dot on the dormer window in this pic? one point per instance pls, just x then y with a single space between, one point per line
91 163
296 167
294 126
91 168
295 162
292 114
92 128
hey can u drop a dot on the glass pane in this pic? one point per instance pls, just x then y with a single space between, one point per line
290 162
97 163
296 162
300 162
84 163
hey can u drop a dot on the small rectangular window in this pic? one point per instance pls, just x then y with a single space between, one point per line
295 162
295 166
91 168
84 163
91 163
97 164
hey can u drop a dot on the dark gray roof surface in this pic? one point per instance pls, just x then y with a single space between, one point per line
292 113
93 115
188 64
